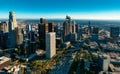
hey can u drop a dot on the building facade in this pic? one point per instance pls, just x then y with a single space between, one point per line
67 28
50 44
114 32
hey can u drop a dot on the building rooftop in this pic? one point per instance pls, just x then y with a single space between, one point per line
3 59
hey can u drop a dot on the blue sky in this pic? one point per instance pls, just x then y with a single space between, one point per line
77 9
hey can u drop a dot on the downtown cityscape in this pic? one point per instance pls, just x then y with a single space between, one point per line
62 43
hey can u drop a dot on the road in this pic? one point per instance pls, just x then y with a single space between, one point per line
63 65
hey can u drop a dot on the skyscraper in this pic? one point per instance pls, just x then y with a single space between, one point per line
12 21
42 20
74 27
50 44
51 27
89 28
11 42
67 28
19 36
43 29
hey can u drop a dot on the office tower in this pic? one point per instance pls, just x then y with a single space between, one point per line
51 27
67 29
12 21
89 28
42 20
11 42
4 27
74 27
19 36
50 44
43 29
114 32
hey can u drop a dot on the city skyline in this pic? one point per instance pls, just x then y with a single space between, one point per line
77 9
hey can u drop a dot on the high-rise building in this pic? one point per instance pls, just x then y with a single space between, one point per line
11 42
51 27
67 28
43 29
74 27
77 28
4 27
50 44
12 21
19 36
42 20
114 32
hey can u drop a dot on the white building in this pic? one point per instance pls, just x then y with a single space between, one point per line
104 62
50 44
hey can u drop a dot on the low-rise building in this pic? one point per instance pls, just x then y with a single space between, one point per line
4 62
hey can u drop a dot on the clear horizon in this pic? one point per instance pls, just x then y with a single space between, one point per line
55 9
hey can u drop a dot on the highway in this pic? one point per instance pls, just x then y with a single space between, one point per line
63 65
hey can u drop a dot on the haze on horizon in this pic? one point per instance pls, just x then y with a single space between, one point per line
77 9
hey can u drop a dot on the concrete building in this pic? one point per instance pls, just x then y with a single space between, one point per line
4 62
104 61
42 20
50 44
